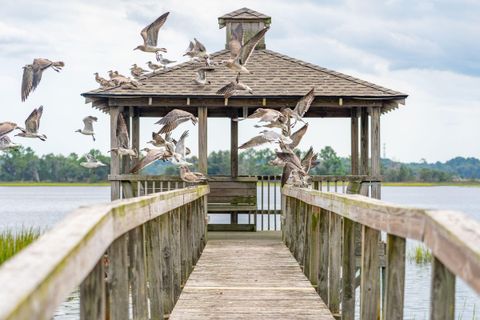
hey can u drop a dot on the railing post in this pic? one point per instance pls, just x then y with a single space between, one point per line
176 255
370 275
137 273
301 223
334 263
322 283
442 305
154 272
348 270
395 286
166 262
118 279
314 249
183 243
307 238
92 294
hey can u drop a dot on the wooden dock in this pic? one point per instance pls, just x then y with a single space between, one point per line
240 276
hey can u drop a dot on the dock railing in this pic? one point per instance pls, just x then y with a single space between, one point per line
319 228
140 250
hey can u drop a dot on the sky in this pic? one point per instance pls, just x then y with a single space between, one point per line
427 49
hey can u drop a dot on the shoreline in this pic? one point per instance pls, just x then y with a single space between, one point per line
53 184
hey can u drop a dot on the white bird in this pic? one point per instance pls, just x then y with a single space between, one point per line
164 61
32 124
88 126
92 163
264 137
180 151
201 77
123 139
6 143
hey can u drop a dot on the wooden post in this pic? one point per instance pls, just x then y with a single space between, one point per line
118 279
177 260
137 273
370 275
322 283
114 158
364 141
354 141
202 140
442 297
154 272
92 294
334 257
183 243
313 276
234 145
395 286
307 209
375 153
135 135
348 270
166 262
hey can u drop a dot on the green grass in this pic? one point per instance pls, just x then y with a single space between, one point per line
420 254
11 242
53 184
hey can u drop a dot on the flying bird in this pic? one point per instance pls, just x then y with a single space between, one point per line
6 143
123 139
191 177
234 87
92 163
201 77
267 115
180 152
301 107
175 117
88 126
292 165
264 137
32 74
7 127
31 125
152 156
157 140
239 57
150 36
297 136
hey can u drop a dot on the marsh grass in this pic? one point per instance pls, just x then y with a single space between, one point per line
420 254
12 242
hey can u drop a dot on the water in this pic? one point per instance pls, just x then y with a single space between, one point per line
44 206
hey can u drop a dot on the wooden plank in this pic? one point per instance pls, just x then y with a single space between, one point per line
92 294
117 279
348 270
395 284
322 283
314 249
275 287
166 264
114 158
154 271
231 227
370 275
375 150
364 142
202 140
442 296
137 273
354 141
335 258
176 252
234 146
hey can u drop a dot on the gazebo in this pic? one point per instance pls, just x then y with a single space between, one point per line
277 81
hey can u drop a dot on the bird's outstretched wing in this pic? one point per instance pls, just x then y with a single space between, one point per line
227 90
33 121
157 137
199 46
27 81
6 128
297 136
287 170
150 32
255 141
88 122
249 46
123 139
304 103
173 119
180 145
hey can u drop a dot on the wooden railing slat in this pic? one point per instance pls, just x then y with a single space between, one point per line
117 279
334 254
348 270
370 275
92 294
154 271
395 282
442 306
322 283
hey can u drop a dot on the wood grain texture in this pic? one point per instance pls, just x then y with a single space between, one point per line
92 294
348 270
354 141
395 282
117 279
137 273
234 146
370 275
322 283
335 259
154 271
442 296
248 279
364 157
202 140
375 150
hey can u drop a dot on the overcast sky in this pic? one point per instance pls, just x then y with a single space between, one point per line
427 49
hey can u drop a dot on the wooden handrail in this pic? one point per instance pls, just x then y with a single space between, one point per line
39 278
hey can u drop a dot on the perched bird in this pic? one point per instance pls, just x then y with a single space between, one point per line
150 35
233 87
264 137
175 117
92 163
164 61
137 71
32 74
104 83
153 66
201 77
88 126
301 107
239 57
297 136
152 156
6 143
123 139
32 124
7 127
191 177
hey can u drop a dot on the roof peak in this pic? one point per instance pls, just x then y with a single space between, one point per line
244 13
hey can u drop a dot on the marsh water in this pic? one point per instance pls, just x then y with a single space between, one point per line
42 207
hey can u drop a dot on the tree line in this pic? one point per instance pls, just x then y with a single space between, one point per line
23 164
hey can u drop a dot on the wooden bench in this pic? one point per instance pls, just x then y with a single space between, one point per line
229 195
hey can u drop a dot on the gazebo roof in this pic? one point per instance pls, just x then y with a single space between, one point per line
244 14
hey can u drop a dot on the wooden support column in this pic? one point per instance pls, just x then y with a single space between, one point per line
442 298
135 132
92 294
234 145
395 286
114 158
348 270
364 141
375 152
354 141
202 140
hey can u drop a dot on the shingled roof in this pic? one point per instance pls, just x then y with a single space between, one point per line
274 75
244 14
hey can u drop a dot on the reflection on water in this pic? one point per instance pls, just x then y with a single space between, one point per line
45 206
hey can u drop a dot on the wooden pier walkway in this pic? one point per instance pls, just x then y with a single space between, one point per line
248 276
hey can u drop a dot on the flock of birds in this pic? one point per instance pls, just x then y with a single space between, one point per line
164 146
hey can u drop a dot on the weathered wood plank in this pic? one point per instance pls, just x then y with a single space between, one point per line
348 270
92 294
364 142
354 141
442 296
117 279
370 275
395 282
334 257
166 263
137 273
322 283
314 249
176 252
202 140
375 150
234 146
154 271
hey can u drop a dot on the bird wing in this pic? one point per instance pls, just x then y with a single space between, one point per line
304 103
27 81
297 136
173 115
170 122
248 47
88 123
291 158
33 121
287 170
180 145
150 32
199 46
6 128
190 47
150 158
123 139
227 90
307 159
255 141
90 158
157 137
201 74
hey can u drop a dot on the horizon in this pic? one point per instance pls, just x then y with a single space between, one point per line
421 58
